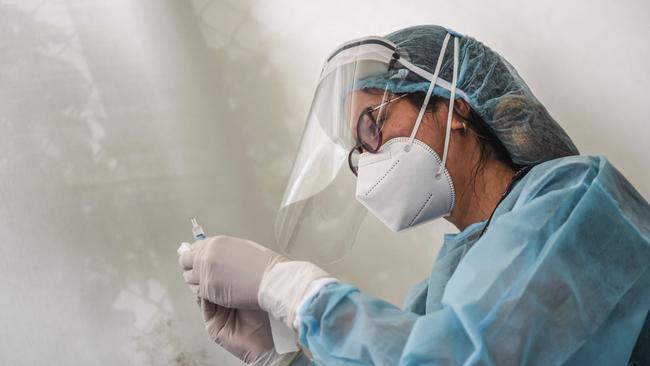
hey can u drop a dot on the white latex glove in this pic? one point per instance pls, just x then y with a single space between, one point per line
240 274
244 333
226 270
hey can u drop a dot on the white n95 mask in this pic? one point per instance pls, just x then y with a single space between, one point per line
403 184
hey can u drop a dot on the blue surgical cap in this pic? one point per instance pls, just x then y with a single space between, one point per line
494 90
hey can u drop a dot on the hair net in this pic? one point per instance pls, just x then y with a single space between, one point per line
493 89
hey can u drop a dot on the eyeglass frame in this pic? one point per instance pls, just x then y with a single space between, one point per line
368 111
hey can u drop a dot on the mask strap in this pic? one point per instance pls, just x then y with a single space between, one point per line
430 90
451 108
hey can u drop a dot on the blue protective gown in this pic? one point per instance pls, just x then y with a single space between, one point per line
561 276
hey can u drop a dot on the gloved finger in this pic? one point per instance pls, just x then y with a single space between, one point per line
183 248
195 290
191 277
207 309
186 258
215 316
216 319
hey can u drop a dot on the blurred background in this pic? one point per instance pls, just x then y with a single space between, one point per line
120 119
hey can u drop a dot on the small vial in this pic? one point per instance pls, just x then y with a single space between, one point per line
197 230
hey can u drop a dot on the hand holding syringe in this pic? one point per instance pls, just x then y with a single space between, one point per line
284 339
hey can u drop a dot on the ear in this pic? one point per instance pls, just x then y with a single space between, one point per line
460 116
461 107
457 123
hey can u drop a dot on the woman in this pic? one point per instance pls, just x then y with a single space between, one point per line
551 262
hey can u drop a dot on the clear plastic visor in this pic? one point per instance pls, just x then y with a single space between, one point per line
319 216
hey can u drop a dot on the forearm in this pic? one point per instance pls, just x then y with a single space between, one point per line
340 324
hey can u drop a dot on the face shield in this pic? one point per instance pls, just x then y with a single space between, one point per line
319 216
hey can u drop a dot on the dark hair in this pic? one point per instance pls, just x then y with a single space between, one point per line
489 145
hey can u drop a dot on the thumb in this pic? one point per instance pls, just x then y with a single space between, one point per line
208 309
216 318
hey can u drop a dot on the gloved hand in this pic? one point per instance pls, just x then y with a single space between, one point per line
240 274
227 271
244 333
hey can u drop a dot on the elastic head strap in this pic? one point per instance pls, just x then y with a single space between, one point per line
452 99
430 90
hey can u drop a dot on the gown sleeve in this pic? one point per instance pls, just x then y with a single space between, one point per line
569 256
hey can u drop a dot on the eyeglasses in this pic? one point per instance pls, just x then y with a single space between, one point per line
369 133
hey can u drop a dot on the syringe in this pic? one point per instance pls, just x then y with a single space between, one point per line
197 230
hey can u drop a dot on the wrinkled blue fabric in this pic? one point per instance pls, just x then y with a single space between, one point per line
561 276
494 90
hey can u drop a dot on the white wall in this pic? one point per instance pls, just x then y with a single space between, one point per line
119 119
